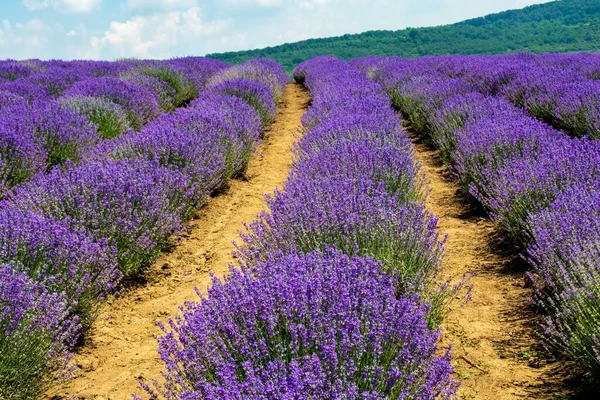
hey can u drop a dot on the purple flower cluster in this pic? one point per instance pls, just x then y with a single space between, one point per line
69 234
321 325
35 334
210 142
64 257
539 184
255 93
197 69
136 206
328 300
38 137
139 103
110 118
263 70
564 258
171 86
165 94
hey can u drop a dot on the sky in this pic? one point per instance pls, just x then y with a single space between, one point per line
111 29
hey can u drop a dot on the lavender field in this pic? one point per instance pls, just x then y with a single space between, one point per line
339 289
102 162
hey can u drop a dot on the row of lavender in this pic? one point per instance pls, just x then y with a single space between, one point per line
561 90
72 232
539 184
334 296
53 112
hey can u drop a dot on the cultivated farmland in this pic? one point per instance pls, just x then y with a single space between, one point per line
432 228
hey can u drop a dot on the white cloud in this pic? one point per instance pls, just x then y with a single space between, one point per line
310 4
31 39
161 4
63 6
263 3
156 36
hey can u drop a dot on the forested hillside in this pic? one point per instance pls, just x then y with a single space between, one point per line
559 26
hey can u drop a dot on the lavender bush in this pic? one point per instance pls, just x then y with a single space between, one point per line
197 69
314 326
29 91
135 206
256 94
109 117
355 215
263 70
35 334
140 104
564 255
9 99
395 167
66 259
165 94
64 134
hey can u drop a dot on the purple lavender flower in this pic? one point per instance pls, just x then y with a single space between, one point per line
197 69
134 205
165 94
378 132
40 136
256 94
35 335
564 253
10 99
21 156
321 325
262 70
29 91
355 215
65 260
110 118
12 70
140 104
395 167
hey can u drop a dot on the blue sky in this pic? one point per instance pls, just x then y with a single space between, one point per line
109 29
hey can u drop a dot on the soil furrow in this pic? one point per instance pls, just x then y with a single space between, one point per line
121 347
495 348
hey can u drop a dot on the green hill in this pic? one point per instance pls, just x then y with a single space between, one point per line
559 26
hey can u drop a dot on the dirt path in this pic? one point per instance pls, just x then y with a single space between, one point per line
121 347
494 345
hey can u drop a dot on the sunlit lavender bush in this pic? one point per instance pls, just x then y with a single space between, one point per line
263 70
369 128
203 146
564 254
172 88
197 69
29 91
165 94
355 215
62 256
35 335
395 167
8 99
134 205
255 93
139 103
313 326
109 117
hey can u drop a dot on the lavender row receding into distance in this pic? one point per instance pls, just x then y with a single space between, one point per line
541 185
334 296
91 211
